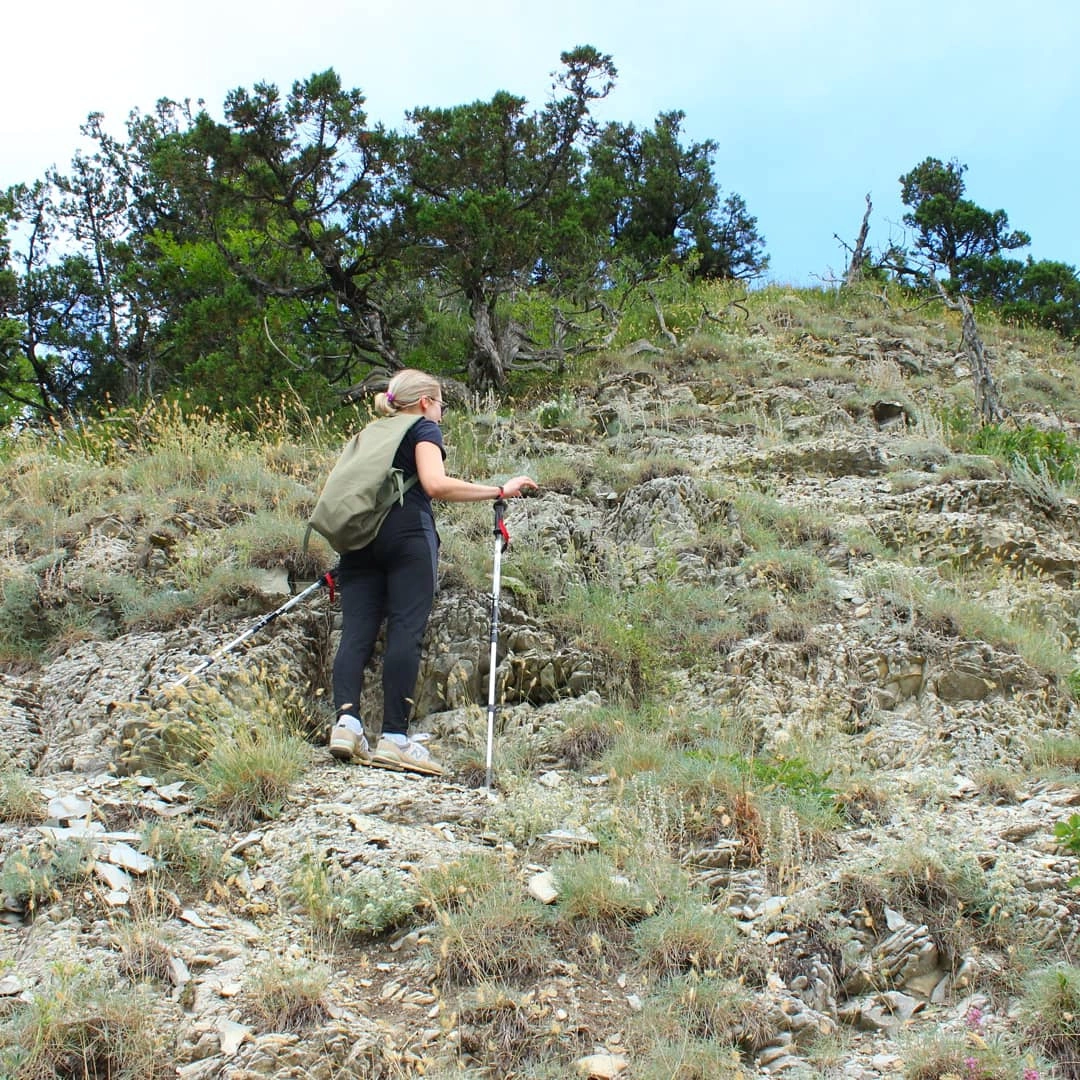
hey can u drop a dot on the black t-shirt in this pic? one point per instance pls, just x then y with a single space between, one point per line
423 430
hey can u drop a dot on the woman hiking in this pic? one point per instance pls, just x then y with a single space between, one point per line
394 579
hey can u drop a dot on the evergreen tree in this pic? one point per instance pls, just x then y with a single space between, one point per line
659 201
953 232
490 191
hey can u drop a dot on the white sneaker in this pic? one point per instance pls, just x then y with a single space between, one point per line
409 755
348 745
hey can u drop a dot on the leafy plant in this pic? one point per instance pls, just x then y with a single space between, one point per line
1049 452
362 904
375 901
1067 834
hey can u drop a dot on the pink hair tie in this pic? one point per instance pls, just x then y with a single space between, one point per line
389 396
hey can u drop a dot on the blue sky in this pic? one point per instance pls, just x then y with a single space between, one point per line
813 105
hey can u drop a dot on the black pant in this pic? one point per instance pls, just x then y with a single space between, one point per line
393 578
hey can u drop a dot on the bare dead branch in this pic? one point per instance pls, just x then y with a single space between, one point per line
859 256
274 345
987 403
672 339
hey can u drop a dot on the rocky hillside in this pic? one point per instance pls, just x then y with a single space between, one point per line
787 722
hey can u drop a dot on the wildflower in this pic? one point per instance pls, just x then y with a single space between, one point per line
974 1018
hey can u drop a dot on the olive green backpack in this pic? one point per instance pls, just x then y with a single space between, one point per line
362 486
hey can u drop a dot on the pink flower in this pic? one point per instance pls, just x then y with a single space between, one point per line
974 1018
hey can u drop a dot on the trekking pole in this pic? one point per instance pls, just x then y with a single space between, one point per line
502 542
326 581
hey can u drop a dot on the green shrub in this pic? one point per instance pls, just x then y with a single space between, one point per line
375 901
1049 452
363 904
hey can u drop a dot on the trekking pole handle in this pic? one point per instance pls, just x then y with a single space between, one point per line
499 507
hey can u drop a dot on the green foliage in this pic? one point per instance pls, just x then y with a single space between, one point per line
375 901
1067 834
969 242
363 904
953 232
1043 293
490 194
794 775
659 201
1051 453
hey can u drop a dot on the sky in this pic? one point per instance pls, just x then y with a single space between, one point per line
813 105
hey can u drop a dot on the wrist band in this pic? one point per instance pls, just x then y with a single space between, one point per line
502 494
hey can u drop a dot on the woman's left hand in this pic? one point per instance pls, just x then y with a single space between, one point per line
517 485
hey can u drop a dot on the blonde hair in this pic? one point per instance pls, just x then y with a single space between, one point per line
406 388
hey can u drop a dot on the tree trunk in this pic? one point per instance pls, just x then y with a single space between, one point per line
860 254
987 403
494 347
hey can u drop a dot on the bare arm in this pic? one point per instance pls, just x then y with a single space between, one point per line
432 472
